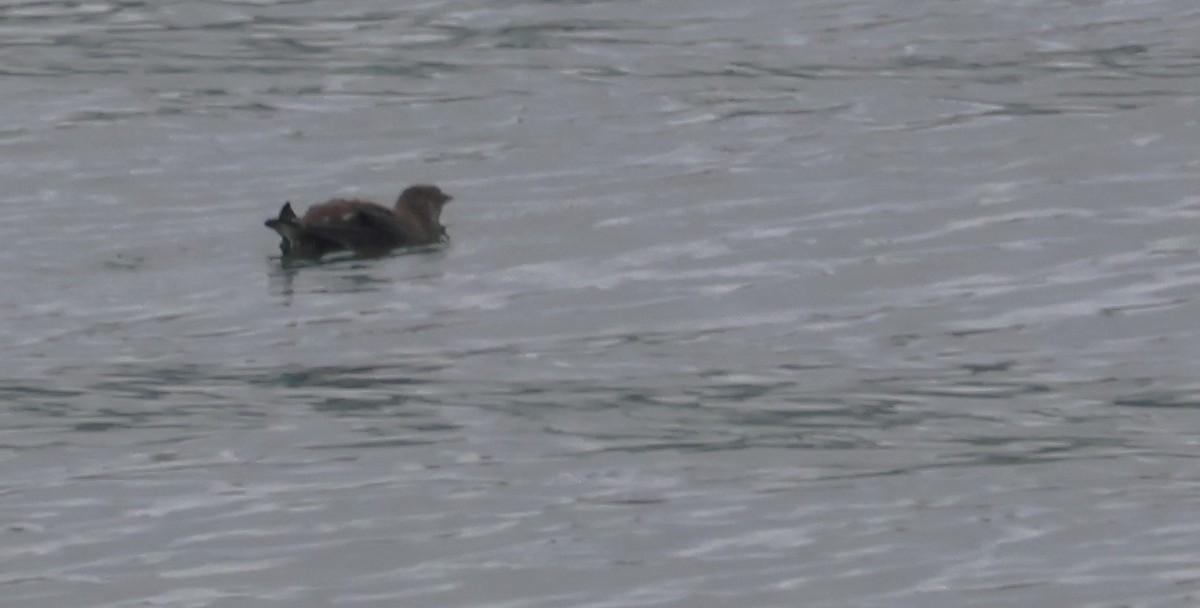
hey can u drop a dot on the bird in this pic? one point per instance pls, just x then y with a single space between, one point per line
363 227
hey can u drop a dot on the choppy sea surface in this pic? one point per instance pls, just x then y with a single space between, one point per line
878 303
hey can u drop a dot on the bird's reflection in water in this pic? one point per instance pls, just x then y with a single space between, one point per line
348 273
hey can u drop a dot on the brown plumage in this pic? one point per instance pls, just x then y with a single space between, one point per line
363 227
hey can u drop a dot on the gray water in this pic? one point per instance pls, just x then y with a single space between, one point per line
762 304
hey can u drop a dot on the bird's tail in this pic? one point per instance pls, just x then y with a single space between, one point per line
289 228
287 217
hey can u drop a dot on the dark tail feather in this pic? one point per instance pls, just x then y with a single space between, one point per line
286 217
287 225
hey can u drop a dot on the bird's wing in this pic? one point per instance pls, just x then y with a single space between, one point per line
368 229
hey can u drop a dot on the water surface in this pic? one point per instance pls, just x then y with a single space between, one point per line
771 304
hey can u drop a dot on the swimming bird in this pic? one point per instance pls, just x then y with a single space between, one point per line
364 227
